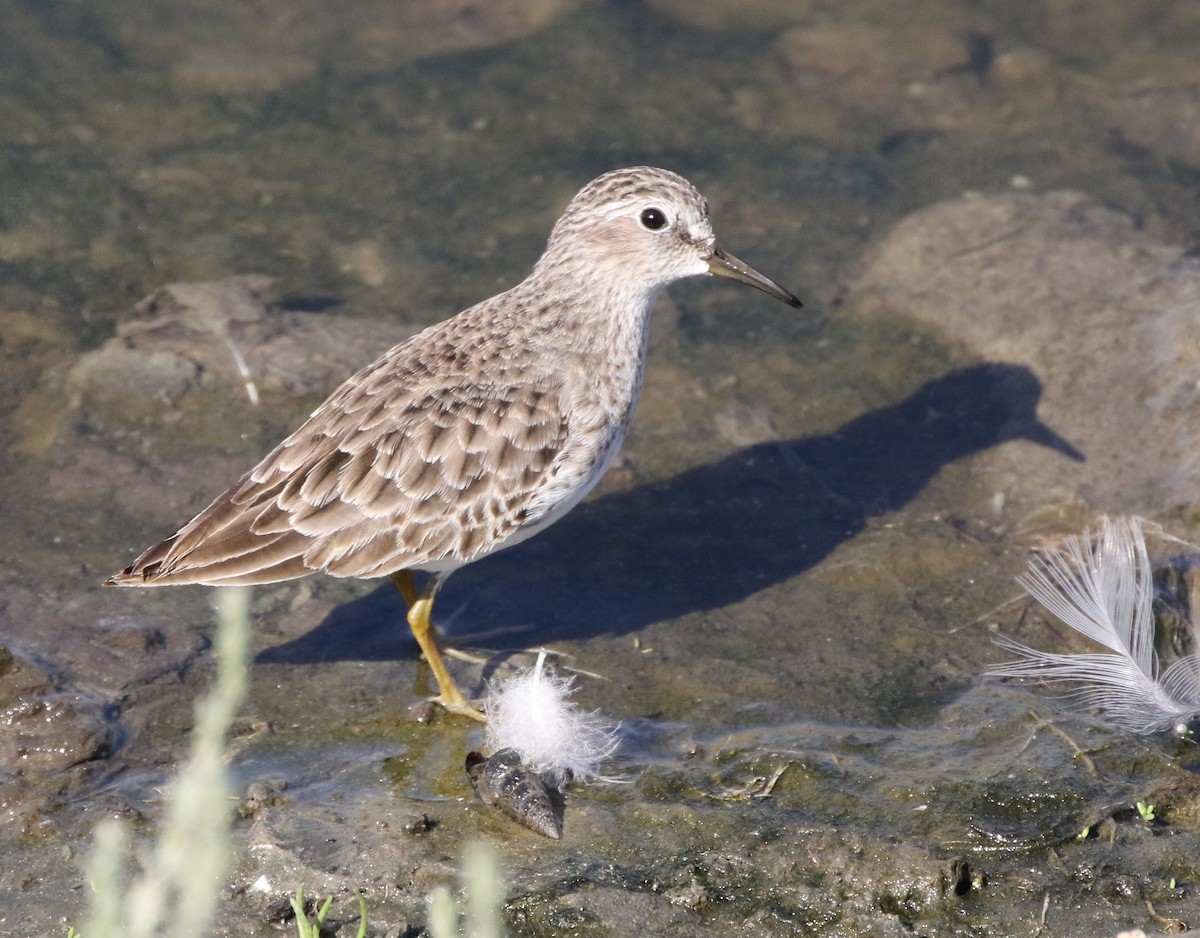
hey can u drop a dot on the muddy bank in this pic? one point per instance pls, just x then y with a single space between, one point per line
786 588
807 743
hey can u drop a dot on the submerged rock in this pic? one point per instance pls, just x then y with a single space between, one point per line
1153 101
45 729
1102 312
246 50
204 351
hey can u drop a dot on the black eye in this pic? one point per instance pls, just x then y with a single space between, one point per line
653 218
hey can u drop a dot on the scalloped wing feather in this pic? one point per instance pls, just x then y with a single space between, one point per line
439 478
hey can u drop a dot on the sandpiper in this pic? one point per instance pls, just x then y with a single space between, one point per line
474 434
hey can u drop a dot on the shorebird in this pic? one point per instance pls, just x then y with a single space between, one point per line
474 434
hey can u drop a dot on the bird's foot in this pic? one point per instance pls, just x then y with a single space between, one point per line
462 706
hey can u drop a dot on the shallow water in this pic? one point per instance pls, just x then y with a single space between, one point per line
788 583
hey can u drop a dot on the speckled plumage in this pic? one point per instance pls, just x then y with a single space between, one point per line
477 432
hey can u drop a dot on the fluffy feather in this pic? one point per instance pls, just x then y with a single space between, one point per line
531 713
1103 587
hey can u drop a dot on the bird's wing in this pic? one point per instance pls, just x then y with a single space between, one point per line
377 480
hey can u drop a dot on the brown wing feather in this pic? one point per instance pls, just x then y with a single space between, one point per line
375 481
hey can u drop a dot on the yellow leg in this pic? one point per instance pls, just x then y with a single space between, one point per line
404 583
419 609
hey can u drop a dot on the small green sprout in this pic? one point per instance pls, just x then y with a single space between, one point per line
1172 883
362 915
1083 834
305 927
312 929
1146 811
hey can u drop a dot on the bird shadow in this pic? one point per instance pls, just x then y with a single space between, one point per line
708 537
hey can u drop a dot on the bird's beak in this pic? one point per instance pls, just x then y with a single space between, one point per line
723 264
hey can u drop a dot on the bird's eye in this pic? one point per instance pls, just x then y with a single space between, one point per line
653 218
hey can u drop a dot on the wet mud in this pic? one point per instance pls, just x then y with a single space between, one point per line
787 587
